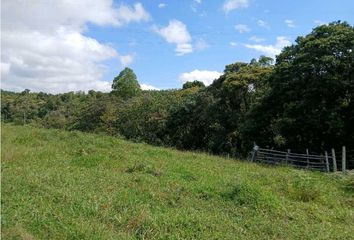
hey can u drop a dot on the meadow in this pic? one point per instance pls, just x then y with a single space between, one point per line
72 185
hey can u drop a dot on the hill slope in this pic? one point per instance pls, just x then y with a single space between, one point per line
71 185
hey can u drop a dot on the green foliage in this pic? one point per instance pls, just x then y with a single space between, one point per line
144 118
235 67
310 102
211 119
98 114
193 84
126 84
71 185
263 61
54 119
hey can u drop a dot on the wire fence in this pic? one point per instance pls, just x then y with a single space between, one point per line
350 159
327 162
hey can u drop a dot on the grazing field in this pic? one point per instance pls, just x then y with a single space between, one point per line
72 185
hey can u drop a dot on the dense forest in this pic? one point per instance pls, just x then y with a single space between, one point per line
303 100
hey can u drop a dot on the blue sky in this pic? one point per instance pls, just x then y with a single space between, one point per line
156 63
164 42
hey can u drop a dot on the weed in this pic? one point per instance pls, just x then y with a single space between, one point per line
144 168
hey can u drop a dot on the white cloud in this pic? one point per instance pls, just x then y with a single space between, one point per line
148 87
126 59
290 23
195 7
262 23
233 44
44 47
127 14
57 62
230 5
271 50
43 15
242 28
205 76
256 39
162 5
5 68
176 32
201 45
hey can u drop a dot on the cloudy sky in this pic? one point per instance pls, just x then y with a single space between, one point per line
70 45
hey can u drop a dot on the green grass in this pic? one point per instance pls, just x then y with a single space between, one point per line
72 185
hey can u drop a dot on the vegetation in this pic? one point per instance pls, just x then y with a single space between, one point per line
72 185
193 84
305 100
126 84
311 96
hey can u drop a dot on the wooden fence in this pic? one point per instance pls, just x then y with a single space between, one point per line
326 162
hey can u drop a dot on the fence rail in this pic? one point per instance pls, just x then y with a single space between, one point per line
318 162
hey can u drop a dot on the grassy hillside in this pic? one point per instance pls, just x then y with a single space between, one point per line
71 185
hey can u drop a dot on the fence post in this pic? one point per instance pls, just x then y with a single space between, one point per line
307 159
334 160
327 163
254 153
287 157
343 159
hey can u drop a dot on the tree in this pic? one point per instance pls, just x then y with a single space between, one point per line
26 91
311 97
211 119
126 84
265 61
193 84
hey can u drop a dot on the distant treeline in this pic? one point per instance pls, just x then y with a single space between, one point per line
304 100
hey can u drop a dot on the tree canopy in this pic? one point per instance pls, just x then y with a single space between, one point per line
193 84
310 102
126 84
